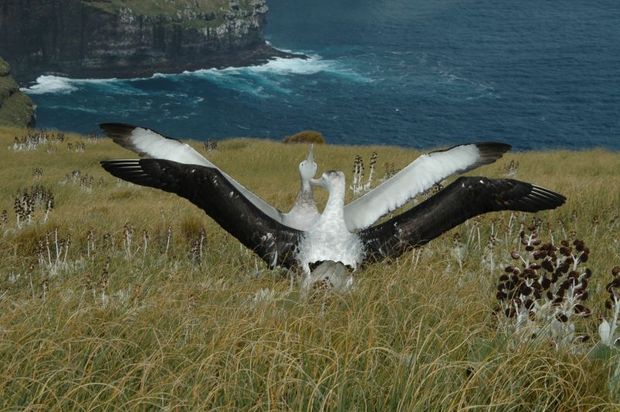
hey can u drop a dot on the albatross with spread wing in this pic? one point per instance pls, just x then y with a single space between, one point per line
329 238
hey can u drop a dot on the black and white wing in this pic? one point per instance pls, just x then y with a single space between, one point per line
210 190
465 198
148 143
419 176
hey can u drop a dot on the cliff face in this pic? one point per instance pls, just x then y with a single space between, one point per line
130 38
16 108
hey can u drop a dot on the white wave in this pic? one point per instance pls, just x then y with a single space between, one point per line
272 78
64 85
283 67
51 84
259 80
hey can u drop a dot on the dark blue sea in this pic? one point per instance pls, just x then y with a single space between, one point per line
536 74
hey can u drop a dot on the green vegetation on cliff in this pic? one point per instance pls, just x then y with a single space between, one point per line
192 13
16 108
131 38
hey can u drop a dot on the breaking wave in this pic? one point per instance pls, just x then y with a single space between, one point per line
259 80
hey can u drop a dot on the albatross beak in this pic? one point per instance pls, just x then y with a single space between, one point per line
310 157
318 182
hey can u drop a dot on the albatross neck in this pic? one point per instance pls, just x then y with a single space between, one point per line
305 194
335 200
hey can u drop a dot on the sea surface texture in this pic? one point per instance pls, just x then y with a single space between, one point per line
421 73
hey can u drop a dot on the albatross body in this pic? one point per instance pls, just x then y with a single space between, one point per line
329 238
419 176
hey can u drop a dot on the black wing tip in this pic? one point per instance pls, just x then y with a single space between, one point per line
118 162
491 151
113 129
115 165
546 198
514 194
493 147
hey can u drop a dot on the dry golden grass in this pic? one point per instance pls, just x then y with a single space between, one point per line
160 329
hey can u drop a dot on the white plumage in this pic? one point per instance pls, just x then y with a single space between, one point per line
419 176
147 143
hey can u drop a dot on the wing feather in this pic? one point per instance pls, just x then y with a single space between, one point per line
465 198
148 143
210 190
419 176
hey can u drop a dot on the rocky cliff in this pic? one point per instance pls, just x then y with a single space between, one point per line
16 108
130 38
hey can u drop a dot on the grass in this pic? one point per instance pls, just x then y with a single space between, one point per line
8 86
5 69
16 109
161 328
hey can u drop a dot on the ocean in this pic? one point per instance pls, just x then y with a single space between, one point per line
536 74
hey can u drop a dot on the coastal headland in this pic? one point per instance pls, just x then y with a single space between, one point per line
131 38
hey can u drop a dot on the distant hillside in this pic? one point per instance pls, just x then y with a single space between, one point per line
129 38
16 108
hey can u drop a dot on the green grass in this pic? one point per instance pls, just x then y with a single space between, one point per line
5 69
8 86
201 13
17 109
162 330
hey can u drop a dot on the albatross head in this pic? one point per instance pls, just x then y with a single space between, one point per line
308 167
307 170
329 180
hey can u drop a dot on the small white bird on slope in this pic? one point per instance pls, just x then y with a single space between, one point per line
329 239
147 143
419 176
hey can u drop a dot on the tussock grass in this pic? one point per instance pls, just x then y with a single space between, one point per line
126 318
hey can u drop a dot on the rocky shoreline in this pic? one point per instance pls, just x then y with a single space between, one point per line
256 55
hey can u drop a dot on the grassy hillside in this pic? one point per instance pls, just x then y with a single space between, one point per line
122 297
16 108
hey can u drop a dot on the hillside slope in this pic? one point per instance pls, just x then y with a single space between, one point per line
16 108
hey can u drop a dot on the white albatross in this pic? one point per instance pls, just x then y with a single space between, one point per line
419 176
148 143
329 239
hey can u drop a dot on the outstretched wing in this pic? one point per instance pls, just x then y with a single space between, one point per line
419 176
465 198
148 143
210 190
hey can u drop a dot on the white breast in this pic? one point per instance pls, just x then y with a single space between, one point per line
329 239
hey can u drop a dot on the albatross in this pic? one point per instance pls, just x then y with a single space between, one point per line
148 143
416 178
329 239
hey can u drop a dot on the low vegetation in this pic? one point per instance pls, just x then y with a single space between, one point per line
115 296
201 13
16 109
306 136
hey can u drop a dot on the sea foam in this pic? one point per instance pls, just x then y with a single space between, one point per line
50 84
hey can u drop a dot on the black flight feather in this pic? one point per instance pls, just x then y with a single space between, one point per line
465 198
208 189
